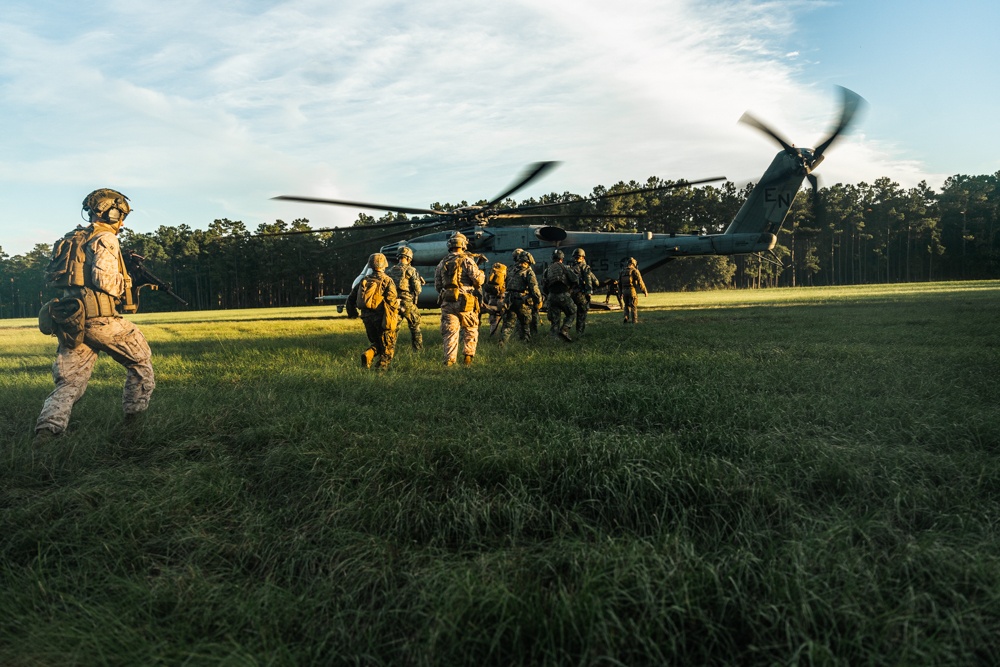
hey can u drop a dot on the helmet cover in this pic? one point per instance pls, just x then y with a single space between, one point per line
106 205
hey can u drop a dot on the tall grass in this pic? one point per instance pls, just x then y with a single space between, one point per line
799 476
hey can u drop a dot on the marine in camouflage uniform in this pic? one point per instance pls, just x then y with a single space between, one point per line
536 302
584 289
408 285
557 281
382 321
521 292
494 297
106 285
629 285
613 291
457 298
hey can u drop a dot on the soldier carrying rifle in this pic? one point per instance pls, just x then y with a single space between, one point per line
89 266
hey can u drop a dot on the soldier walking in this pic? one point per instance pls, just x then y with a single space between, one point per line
408 285
521 293
613 291
629 285
557 281
584 289
456 279
377 301
88 264
494 295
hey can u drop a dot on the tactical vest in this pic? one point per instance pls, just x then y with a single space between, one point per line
628 279
67 269
408 282
559 278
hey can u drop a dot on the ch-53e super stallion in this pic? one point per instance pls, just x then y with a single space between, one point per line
754 229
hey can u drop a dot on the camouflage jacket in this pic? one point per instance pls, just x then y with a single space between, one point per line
105 270
472 277
408 281
522 283
630 280
558 278
586 280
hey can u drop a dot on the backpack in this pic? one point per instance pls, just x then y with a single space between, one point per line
370 293
65 269
498 275
452 273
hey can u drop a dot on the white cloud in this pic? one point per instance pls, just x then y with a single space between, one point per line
201 111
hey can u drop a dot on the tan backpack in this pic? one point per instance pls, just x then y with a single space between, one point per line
370 293
65 269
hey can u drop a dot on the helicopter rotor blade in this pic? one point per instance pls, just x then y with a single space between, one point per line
359 204
851 104
671 186
356 228
394 235
747 119
532 172
514 216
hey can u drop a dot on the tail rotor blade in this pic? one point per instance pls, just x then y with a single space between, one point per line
753 122
851 104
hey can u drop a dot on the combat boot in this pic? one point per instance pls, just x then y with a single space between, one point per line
564 334
132 427
366 358
467 360
43 437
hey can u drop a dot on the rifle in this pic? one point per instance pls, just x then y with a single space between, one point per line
143 277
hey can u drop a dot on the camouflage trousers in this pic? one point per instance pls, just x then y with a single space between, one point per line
459 328
409 312
382 339
582 302
123 342
631 306
518 315
560 310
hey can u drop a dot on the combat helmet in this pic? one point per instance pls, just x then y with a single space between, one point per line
106 205
379 262
404 251
579 253
557 255
457 241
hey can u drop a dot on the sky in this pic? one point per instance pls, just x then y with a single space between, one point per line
199 111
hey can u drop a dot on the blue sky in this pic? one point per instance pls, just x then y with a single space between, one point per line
200 111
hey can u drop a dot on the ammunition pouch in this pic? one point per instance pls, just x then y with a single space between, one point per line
65 318
467 302
45 323
449 295
95 304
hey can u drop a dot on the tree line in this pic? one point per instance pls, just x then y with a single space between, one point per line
845 234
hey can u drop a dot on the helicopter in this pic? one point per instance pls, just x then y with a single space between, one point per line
753 230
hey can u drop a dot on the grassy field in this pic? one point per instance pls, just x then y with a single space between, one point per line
807 476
